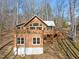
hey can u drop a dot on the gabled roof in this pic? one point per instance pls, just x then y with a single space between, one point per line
20 24
50 23
47 23
37 18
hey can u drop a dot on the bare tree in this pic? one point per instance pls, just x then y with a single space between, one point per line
72 4
45 11
59 12
74 19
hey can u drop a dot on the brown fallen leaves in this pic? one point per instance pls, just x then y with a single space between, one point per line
56 34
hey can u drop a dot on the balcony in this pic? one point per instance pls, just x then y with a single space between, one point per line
44 32
21 31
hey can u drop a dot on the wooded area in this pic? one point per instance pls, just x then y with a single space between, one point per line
14 12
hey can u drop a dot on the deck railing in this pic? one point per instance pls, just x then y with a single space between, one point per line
21 31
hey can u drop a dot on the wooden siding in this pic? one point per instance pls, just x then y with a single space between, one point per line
28 34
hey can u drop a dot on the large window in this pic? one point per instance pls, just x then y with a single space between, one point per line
32 28
36 26
39 28
20 40
36 41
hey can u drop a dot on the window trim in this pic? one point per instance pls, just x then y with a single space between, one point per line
36 26
39 40
17 39
20 41
32 29
36 41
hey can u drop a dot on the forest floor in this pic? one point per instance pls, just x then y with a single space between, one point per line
51 51
48 54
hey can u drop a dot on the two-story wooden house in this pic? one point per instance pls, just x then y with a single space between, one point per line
28 37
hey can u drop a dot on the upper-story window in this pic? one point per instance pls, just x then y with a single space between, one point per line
30 24
20 40
36 26
40 24
32 28
39 28
49 28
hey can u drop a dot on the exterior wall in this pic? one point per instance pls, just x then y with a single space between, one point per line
35 20
28 47
28 51
17 36
28 40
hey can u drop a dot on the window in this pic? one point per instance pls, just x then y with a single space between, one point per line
49 27
35 24
39 28
32 28
20 40
36 40
40 24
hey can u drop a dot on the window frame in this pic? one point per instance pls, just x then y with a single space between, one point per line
36 41
20 41
17 40
39 40
35 27
35 24
33 41
32 28
49 27
39 27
